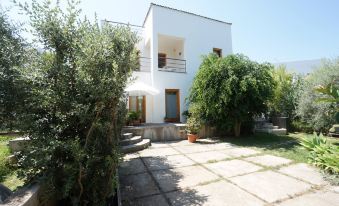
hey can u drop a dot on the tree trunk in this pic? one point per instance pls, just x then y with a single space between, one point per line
237 126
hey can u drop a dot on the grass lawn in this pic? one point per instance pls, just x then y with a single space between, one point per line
8 175
285 145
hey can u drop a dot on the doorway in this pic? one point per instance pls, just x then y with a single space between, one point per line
138 104
172 101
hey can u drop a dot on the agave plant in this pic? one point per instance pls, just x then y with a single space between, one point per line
322 153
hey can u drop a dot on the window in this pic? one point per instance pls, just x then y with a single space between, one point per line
138 61
217 52
161 60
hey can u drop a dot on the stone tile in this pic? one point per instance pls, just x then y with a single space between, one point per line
239 152
166 162
132 166
220 146
134 186
304 172
214 194
180 178
131 156
204 157
270 186
154 200
269 160
179 143
194 148
319 198
156 145
232 168
158 152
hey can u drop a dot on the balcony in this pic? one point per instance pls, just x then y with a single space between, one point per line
144 64
171 65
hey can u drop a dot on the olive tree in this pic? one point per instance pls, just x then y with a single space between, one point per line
76 105
231 90
12 55
319 116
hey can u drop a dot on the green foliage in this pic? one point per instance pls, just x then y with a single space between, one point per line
133 116
193 124
76 104
319 116
286 93
12 55
322 153
231 90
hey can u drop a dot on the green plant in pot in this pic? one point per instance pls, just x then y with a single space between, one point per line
133 118
193 127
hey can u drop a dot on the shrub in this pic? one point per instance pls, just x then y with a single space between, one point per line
286 92
319 116
231 90
322 153
76 105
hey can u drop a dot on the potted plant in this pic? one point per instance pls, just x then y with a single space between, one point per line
133 118
193 126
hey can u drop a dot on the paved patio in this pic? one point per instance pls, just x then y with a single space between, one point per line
212 173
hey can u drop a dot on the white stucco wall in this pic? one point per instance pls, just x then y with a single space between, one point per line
198 35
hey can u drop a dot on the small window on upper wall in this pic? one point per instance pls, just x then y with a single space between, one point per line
217 52
161 60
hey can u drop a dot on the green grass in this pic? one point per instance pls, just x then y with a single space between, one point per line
285 145
8 175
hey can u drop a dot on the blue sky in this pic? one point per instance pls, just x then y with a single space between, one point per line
264 30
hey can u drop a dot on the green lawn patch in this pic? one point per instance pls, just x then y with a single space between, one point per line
8 175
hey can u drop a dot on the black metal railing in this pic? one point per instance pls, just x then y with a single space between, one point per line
171 65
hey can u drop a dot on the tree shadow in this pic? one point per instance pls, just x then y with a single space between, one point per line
143 186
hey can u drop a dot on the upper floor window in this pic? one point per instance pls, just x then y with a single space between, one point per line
161 60
217 51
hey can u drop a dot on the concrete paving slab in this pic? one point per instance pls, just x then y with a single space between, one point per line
304 172
180 178
166 162
134 186
239 152
179 143
270 186
192 148
220 146
154 200
132 166
320 198
158 152
269 160
219 193
232 168
156 145
210 156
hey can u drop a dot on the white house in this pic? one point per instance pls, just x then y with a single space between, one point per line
172 44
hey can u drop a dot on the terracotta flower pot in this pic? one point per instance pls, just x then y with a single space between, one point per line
192 137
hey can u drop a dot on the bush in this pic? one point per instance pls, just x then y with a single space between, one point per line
319 116
322 153
76 106
286 92
228 91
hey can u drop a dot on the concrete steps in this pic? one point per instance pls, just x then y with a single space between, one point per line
136 147
271 129
130 143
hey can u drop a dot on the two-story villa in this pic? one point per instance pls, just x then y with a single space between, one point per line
171 49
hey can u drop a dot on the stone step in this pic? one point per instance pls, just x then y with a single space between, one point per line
136 147
268 124
129 141
275 127
273 131
126 136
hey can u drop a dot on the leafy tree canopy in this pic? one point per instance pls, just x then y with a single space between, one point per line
231 90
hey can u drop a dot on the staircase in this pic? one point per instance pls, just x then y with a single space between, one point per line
270 128
130 143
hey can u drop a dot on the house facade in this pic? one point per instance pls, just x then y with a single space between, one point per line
171 49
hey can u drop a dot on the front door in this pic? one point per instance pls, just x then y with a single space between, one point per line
172 101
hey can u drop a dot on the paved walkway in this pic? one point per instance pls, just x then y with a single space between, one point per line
213 173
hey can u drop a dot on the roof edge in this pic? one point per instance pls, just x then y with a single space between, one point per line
186 12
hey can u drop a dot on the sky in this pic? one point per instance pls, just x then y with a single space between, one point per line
264 30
